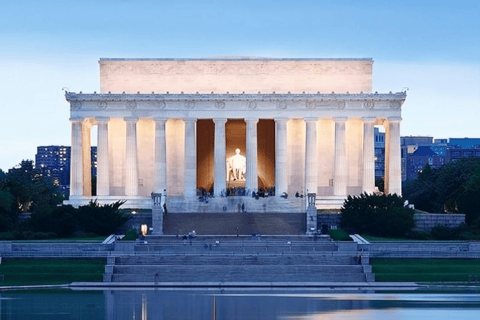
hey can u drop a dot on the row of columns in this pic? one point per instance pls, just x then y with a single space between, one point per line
80 157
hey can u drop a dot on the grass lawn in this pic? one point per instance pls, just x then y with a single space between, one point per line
51 271
424 270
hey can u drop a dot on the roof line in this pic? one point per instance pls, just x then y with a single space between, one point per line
236 59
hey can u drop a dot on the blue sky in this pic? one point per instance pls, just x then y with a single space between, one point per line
431 47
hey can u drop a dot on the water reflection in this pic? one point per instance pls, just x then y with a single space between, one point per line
214 304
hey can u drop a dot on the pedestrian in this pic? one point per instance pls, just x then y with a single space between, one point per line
243 207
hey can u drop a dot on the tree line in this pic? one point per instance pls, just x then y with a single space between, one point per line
30 208
453 188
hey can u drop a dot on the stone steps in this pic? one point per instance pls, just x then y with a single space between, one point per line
224 223
239 274
176 204
236 260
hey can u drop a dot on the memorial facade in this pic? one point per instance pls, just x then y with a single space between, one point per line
179 126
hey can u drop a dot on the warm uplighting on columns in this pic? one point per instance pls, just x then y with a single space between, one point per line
87 157
393 169
368 155
160 160
311 161
131 166
190 187
76 161
280 157
251 183
103 177
219 183
340 168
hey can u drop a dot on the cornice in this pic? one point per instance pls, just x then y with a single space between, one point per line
221 97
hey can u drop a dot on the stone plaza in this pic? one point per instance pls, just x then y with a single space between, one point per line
182 128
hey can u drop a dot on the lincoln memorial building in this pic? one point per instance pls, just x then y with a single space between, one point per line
258 131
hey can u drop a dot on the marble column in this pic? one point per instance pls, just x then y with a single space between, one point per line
251 183
131 166
219 182
160 160
340 168
311 156
280 157
87 158
76 159
190 187
103 177
393 157
368 155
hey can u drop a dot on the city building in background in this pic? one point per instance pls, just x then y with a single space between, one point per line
54 162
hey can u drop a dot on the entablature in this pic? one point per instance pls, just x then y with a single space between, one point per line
198 104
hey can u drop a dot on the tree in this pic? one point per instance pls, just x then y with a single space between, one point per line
101 220
7 212
30 189
454 188
377 215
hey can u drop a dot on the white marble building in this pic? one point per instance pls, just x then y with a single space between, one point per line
169 125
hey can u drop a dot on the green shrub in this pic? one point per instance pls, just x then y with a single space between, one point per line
101 220
131 235
377 215
339 235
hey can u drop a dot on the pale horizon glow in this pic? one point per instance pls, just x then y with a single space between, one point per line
430 47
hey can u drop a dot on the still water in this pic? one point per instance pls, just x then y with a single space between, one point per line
164 304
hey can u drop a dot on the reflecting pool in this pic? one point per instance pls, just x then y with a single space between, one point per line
230 304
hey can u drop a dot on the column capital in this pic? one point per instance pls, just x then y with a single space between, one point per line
130 119
77 120
340 119
369 119
219 120
160 119
281 120
310 119
394 120
189 119
102 119
251 120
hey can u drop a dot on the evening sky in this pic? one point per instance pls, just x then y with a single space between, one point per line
430 47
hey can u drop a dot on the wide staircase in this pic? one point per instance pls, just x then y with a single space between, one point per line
231 259
226 223
231 204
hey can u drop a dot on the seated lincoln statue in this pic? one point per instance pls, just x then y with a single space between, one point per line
236 166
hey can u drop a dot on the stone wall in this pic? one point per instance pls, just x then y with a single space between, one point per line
426 221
